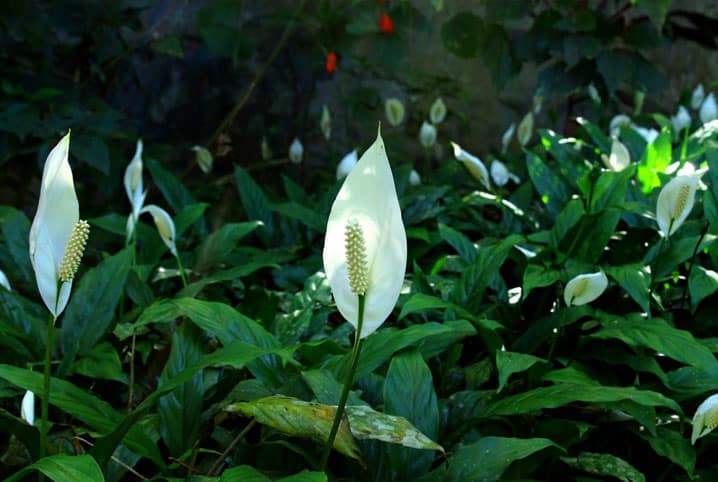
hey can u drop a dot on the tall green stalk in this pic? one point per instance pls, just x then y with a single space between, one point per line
347 385
46 386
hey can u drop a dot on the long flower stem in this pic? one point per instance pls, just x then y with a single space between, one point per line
181 270
347 385
46 385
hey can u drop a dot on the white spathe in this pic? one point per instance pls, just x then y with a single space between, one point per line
57 214
438 110
394 111
296 151
620 158
709 109
473 164
164 224
705 419
507 136
649 134
618 121
526 127
501 175
681 120
697 97
414 178
134 186
368 197
27 408
4 282
347 164
427 134
675 202
585 288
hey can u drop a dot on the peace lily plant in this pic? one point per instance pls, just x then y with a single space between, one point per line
57 242
364 255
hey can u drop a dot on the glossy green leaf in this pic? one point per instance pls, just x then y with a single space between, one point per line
102 362
605 464
553 191
657 157
701 284
635 279
215 248
508 363
672 445
459 242
64 468
255 202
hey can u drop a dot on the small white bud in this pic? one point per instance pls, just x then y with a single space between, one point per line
394 111
325 123
296 151
427 135
437 113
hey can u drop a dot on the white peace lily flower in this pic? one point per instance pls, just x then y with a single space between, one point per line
501 175
394 111
296 151
366 216
133 181
506 138
618 121
164 224
593 93
649 135
709 109
526 127
437 113
57 236
203 157
414 178
681 120
427 135
675 202
705 419
697 97
347 164
4 282
585 288
620 158
473 164
27 408
325 123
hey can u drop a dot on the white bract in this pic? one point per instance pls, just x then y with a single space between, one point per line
473 164
203 157
709 109
506 138
649 135
367 199
164 224
675 202
526 127
27 408
414 178
55 222
325 123
697 97
593 93
618 121
296 151
705 419
427 134
134 186
501 175
4 282
347 164
681 120
437 113
394 111
620 158
585 288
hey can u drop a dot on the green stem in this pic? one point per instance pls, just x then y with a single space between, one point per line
658 255
181 270
46 385
554 342
347 386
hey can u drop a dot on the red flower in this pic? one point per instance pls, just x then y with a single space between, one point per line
386 24
331 64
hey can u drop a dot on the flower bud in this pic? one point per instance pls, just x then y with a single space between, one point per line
203 158
437 113
296 151
347 164
585 288
709 109
4 282
164 224
506 138
593 93
325 123
394 111
474 165
697 97
681 120
27 408
501 175
526 127
414 178
427 135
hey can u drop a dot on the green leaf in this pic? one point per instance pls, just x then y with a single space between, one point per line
461 34
102 362
659 336
169 45
255 202
64 468
672 445
656 10
307 216
180 411
538 276
216 247
305 476
495 51
702 283
93 151
459 242
91 309
554 192
230 274
486 459
243 473
367 423
605 464
508 363
409 392
635 279
176 194
300 419
15 229
655 160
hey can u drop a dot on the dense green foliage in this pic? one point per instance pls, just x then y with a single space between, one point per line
482 372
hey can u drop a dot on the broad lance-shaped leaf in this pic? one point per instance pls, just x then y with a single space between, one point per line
314 420
367 199
64 468
605 464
